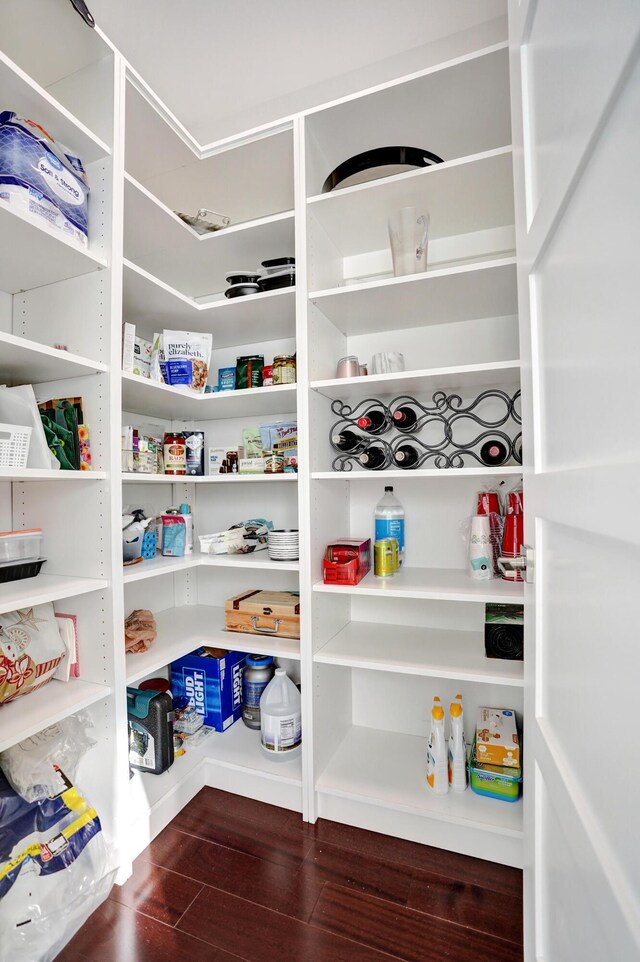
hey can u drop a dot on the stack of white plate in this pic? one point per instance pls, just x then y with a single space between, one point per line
283 545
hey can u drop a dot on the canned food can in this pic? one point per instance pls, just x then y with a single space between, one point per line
383 559
396 552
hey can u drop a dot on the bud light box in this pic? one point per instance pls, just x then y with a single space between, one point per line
211 678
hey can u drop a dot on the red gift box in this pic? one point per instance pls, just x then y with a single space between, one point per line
346 562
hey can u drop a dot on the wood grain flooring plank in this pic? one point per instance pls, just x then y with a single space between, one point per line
329 863
476 871
410 935
213 801
260 935
273 886
154 891
279 846
115 933
479 908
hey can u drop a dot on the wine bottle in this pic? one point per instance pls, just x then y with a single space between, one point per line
405 418
348 441
374 421
493 452
406 456
373 458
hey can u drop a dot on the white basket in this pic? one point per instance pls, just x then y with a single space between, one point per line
14 445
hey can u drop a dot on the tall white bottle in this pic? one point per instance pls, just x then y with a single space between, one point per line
281 717
389 518
437 772
457 748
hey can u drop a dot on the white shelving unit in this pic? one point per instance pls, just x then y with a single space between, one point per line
370 656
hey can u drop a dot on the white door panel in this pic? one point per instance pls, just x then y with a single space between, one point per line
576 121
570 68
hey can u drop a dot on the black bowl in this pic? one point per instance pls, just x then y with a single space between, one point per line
241 290
277 262
380 162
273 282
246 277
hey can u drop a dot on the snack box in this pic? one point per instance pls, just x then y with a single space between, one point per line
346 562
211 678
494 780
256 612
497 737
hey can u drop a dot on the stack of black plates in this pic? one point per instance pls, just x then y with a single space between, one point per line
278 272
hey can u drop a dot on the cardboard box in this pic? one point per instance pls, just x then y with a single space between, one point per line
212 680
251 466
497 740
216 457
346 562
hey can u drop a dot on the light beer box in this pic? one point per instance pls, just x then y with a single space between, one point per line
211 678
256 612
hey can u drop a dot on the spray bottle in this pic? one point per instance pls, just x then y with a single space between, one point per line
457 748
437 776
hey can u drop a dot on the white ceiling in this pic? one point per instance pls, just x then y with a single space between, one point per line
223 66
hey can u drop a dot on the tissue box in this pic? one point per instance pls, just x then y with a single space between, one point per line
211 678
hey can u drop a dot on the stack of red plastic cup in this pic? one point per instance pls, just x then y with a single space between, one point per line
488 503
513 534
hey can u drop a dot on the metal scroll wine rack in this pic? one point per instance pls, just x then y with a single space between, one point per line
443 417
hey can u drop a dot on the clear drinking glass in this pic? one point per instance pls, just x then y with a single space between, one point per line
409 237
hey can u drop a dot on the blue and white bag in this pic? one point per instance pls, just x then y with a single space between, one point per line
38 177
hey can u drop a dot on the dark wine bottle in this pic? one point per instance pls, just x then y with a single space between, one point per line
373 458
406 456
405 418
493 452
374 421
347 440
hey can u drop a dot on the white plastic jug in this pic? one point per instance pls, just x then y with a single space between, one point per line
457 748
280 717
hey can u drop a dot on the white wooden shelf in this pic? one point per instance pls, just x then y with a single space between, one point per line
181 630
460 377
207 479
32 712
257 560
154 567
43 588
196 264
28 99
143 396
388 769
436 584
27 362
153 305
148 791
435 653
49 474
35 254
396 474
239 748
439 296
469 194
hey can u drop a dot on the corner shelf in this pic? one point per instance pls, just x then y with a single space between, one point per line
152 304
181 630
397 474
196 264
142 396
49 474
207 479
257 560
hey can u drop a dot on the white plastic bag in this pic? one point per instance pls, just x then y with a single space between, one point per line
187 357
29 765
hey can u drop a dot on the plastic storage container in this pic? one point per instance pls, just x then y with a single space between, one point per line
20 545
493 780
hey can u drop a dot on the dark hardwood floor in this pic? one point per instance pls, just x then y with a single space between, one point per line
231 879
